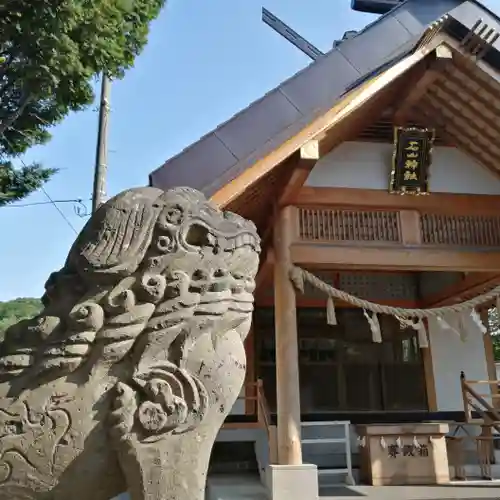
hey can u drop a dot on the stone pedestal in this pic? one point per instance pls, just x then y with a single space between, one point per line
293 482
404 454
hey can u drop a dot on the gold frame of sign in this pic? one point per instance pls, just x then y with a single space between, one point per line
403 454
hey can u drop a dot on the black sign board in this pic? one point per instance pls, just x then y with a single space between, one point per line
411 160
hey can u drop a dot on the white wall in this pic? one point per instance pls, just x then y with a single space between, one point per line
450 356
367 165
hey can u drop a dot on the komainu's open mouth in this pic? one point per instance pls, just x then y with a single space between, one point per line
242 240
198 235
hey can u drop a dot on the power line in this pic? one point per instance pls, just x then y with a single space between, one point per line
22 205
68 222
61 213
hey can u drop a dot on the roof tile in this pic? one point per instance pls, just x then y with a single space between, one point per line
209 155
416 16
247 131
330 74
367 52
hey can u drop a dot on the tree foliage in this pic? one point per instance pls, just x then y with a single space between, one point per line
16 184
15 310
50 50
494 326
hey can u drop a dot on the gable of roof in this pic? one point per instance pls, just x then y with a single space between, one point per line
254 133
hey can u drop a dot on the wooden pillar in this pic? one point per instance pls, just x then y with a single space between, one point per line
430 381
287 359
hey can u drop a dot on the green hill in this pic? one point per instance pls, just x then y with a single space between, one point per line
15 310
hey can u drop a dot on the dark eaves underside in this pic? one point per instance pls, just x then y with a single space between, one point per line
223 154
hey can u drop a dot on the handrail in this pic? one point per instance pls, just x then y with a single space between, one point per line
254 391
264 418
263 412
489 414
489 382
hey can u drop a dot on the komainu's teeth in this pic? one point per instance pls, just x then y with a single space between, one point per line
241 240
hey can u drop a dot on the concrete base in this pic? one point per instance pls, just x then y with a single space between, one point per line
293 482
235 487
462 492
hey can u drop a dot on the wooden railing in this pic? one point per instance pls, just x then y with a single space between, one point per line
480 412
264 417
457 446
461 231
396 228
254 396
317 224
474 402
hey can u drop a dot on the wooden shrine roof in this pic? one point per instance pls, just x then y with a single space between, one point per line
388 72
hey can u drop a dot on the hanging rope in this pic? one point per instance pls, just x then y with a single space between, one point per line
412 318
299 275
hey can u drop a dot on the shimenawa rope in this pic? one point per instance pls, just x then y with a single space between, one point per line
407 317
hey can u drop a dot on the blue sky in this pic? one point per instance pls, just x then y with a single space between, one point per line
205 60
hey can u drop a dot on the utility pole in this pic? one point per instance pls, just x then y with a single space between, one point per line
101 159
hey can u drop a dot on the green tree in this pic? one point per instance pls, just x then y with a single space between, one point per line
494 325
15 310
16 184
50 51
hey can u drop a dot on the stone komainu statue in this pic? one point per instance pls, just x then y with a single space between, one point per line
124 379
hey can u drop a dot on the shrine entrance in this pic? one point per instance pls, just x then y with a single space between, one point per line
341 369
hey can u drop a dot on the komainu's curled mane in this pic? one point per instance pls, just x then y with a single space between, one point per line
124 379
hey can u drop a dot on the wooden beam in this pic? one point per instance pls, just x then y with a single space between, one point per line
428 109
307 302
472 104
390 258
300 166
258 165
488 75
296 181
430 380
308 155
460 80
287 351
310 151
443 203
350 129
411 233
472 284
484 133
443 57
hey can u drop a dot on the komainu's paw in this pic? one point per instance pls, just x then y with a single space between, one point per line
123 412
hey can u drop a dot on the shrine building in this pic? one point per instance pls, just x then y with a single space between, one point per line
373 177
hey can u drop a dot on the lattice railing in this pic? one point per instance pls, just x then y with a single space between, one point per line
348 225
462 231
390 227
